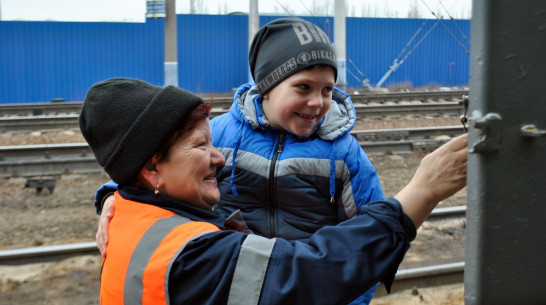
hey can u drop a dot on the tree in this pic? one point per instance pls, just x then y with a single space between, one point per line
414 10
197 7
322 8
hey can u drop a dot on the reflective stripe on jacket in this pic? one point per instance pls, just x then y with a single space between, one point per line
136 269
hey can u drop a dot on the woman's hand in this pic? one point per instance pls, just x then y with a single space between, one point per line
441 174
104 223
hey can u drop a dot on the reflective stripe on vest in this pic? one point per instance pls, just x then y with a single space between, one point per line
250 270
133 290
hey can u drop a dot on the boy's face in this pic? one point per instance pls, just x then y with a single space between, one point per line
297 104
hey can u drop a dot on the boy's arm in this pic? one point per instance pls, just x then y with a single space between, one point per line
104 203
364 183
104 224
103 193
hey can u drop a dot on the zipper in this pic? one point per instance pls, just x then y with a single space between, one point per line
272 197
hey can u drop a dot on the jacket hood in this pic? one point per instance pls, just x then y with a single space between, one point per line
339 120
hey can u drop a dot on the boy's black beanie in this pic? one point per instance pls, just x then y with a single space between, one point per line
125 121
285 46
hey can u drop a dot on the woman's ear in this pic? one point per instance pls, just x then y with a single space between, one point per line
149 171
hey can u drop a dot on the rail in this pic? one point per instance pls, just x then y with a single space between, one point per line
70 121
57 159
59 108
52 252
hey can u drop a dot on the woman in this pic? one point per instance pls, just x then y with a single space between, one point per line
168 246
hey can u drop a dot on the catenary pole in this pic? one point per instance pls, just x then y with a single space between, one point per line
253 25
340 42
171 59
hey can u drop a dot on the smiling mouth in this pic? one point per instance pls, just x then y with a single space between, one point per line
306 117
211 177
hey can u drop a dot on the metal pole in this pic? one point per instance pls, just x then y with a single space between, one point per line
171 59
340 42
253 25
505 243
392 68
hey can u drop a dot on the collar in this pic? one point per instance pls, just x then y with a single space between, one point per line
339 120
216 217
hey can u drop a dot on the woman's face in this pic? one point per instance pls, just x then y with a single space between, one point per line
189 173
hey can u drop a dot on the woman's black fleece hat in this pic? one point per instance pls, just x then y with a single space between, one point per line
125 121
286 46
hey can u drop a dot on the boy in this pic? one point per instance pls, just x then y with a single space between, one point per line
291 165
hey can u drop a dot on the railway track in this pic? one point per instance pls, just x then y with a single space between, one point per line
50 116
428 276
405 278
57 159
56 252
59 108
70 121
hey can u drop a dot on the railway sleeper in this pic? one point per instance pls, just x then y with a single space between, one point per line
40 183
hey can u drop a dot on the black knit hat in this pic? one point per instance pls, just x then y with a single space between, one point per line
286 46
125 121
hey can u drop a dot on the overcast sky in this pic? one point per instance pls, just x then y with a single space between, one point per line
134 10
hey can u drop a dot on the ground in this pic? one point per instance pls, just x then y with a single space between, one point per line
67 215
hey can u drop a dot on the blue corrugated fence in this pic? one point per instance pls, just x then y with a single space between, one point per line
41 61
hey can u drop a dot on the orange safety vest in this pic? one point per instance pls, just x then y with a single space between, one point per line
144 240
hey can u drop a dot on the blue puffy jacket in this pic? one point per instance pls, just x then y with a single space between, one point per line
287 186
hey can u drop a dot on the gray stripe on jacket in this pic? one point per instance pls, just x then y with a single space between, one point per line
250 270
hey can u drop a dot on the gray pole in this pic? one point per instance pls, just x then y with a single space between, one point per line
171 59
339 42
253 25
505 245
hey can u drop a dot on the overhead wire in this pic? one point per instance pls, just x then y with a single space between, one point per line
411 40
284 8
397 63
313 17
455 23
447 29
421 40
365 81
356 68
306 8
354 75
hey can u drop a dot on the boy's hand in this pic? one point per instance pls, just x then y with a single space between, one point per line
104 223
